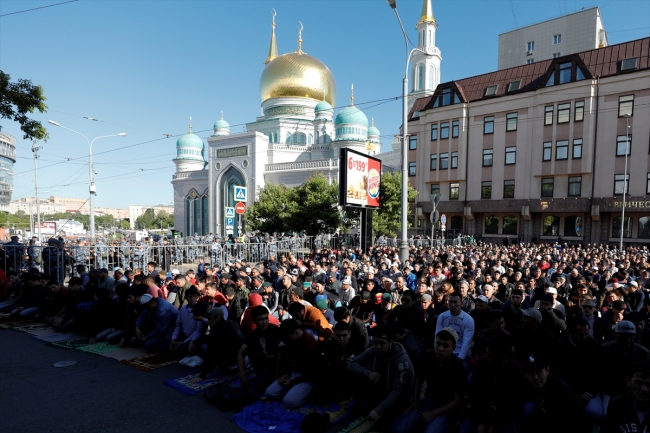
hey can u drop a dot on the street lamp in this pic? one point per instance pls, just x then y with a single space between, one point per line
92 189
404 247
625 182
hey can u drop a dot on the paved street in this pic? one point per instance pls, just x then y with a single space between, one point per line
96 395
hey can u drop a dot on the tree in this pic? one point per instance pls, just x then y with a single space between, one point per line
272 211
315 206
17 100
387 219
146 220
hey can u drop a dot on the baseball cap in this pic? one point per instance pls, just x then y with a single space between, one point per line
266 284
625 327
295 272
533 313
331 275
145 299
483 298
534 362
387 297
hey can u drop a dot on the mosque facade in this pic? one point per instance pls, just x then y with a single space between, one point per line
297 136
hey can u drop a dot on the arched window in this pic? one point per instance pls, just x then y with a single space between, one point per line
310 139
644 228
616 227
288 139
196 213
302 138
420 77
551 226
573 226
430 40
231 178
275 137
270 138
430 81
491 224
317 137
510 225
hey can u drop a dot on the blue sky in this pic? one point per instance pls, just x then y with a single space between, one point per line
145 67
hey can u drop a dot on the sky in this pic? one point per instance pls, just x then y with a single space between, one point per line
144 67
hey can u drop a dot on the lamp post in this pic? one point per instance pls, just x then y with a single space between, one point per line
625 182
92 189
404 247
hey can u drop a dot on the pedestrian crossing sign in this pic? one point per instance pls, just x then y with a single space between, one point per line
240 193
230 212
230 223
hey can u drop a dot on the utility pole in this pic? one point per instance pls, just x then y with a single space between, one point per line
35 150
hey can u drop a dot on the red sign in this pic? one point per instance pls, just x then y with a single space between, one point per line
240 208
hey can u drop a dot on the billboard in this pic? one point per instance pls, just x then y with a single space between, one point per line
359 180
47 227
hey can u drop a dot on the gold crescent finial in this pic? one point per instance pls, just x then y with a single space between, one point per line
274 14
300 29
352 95
190 124
273 47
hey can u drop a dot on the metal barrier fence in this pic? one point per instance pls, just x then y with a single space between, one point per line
61 261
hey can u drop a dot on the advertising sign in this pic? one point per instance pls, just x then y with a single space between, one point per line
47 227
359 180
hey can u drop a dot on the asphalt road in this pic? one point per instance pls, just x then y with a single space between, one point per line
98 394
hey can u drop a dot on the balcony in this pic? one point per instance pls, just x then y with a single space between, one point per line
203 174
303 166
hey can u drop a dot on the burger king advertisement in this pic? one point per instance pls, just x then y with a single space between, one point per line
360 180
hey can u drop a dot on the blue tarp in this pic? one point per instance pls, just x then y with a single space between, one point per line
268 417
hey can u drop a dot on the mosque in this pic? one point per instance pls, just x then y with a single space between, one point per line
297 136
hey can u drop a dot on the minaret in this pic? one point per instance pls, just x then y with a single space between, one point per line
425 70
273 47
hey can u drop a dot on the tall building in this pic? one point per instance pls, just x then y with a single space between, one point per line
425 68
7 161
568 34
539 150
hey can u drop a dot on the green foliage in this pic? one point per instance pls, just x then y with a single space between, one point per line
309 208
152 220
387 220
17 100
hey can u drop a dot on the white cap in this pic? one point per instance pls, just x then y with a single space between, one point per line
346 280
248 270
633 283
552 290
175 271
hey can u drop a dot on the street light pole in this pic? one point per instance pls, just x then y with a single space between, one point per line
35 150
404 247
92 188
625 182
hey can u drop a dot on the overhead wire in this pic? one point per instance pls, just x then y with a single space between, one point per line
40 7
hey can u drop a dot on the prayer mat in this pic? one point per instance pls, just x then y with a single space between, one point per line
151 362
99 348
262 417
125 353
338 410
182 384
362 425
74 343
47 336
31 327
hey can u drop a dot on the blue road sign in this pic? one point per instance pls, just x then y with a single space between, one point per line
240 193
230 212
230 223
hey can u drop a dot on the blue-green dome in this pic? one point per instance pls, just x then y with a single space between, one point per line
221 124
373 131
323 106
190 140
351 115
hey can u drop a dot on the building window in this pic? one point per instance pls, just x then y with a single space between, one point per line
310 139
444 161
454 159
488 125
557 39
435 188
561 149
563 113
644 228
621 184
623 143
577 148
487 157
625 105
575 186
579 113
412 171
511 155
444 130
647 185
491 224
434 161
530 46
511 122
573 226
547 187
548 115
454 128
514 85
454 191
434 131
492 90
486 190
508 189
510 223
413 142
530 61
565 72
556 55
551 226
548 151
616 227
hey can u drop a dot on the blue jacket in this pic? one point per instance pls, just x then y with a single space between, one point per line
164 317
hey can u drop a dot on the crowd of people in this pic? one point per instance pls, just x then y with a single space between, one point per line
477 338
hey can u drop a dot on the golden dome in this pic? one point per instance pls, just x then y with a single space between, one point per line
298 75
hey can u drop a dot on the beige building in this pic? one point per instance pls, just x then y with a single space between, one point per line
137 210
568 34
539 150
28 205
